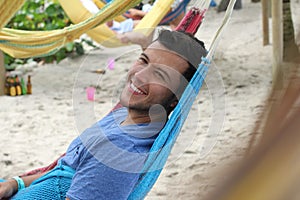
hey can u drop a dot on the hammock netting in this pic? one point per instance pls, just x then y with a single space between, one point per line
167 137
53 185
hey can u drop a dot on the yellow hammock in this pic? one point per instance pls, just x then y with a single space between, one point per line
103 34
23 44
8 9
101 4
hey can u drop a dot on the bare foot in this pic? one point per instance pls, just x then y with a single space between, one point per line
135 38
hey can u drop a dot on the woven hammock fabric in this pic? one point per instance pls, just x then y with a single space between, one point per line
24 44
8 9
191 26
175 12
101 4
103 34
154 16
52 186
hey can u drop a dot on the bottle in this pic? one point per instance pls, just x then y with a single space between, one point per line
29 88
6 87
23 87
12 88
18 86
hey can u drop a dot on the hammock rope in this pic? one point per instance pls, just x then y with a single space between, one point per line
219 32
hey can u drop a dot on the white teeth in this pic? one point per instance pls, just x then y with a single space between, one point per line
136 89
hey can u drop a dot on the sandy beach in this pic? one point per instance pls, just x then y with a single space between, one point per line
35 129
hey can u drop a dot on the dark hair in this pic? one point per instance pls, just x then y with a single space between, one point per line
188 74
183 44
188 47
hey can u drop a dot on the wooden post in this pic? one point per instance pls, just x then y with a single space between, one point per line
265 21
270 8
277 31
2 74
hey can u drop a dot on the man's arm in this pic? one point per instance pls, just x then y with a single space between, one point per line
29 179
136 13
10 187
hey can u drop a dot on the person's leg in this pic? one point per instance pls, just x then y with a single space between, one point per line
135 37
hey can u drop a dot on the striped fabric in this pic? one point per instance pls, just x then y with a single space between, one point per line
24 44
176 12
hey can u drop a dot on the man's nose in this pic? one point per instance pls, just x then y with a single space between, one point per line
143 75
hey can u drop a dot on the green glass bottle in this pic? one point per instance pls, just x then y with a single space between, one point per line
23 86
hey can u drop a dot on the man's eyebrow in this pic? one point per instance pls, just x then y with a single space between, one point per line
145 55
157 68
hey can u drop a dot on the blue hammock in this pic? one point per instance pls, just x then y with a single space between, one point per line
53 185
167 137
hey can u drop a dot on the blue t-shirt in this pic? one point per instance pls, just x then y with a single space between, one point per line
108 157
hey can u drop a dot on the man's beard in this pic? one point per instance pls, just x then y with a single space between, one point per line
142 108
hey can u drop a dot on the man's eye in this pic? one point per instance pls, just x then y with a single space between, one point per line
159 74
142 60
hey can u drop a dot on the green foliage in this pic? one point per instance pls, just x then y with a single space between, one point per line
41 15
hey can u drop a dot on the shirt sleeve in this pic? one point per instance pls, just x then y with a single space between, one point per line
94 180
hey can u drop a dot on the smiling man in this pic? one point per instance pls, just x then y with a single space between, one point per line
105 161
152 82
160 74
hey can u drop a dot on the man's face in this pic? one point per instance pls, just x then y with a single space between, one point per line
153 79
